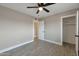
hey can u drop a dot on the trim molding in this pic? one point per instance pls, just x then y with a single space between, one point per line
62 17
66 16
13 47
53 42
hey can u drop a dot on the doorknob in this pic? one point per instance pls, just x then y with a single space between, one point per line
76 35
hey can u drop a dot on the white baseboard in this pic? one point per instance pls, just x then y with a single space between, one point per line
53 42
16 46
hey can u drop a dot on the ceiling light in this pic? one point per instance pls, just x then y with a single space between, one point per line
40 8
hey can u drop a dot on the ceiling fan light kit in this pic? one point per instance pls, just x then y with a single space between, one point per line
41 6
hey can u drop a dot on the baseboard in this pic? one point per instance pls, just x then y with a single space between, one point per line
16 46
69 43
53 42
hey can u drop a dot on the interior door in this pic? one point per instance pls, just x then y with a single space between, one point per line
41 30
77 32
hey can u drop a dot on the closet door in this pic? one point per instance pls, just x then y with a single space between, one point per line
41 30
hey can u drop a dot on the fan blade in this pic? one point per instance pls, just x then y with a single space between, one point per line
47 4
33 7
45 9
37 12
38 4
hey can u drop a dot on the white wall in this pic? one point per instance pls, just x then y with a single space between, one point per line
69 29
53 26
15 28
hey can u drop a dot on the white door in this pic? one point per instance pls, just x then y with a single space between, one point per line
41 30
77 32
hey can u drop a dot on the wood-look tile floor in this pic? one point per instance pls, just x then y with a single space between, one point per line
42 48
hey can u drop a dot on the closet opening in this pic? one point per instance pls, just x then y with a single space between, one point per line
69 31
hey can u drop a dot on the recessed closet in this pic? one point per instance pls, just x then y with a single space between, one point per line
69 29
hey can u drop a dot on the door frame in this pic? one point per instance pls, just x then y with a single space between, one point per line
77 20
62 17
76 15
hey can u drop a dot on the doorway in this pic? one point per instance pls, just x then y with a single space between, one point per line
38 29
41 30
69 30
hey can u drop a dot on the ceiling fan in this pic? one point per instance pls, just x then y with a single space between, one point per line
41 6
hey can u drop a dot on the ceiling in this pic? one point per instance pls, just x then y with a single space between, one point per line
54 9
